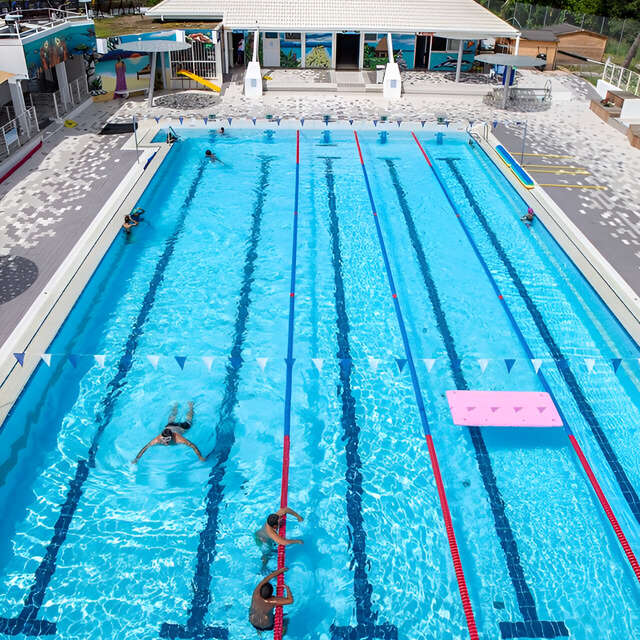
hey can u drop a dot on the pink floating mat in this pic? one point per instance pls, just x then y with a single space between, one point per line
503 409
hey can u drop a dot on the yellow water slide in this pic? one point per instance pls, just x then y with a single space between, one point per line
198 79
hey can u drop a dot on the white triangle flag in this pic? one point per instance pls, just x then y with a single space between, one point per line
590 362
99 360
484 363
537 363
46 358
262 363
318 362
154 361
373 363
208 361
429 362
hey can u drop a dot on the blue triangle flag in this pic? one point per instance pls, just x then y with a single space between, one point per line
401 362
495 124
350 121
254 121
73 359
301 122
289 361
615 362
229 120
181 360
509 362
375 123
181 119
205 120
422 123
157 120
20 358
471 123
399 122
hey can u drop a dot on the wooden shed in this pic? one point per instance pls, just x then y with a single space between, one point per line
538 43
574 40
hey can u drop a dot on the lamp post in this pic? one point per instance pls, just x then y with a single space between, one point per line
524 139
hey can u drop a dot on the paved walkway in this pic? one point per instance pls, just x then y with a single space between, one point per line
46 205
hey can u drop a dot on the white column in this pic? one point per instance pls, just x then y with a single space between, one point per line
253 74
228 52
334 50
218 47
63 83
163 64
152 79
459 62
361 54
303 50
392 83
517 47
17 99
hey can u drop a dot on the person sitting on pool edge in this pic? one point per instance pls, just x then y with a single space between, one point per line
172 433
128 223
262 602
269 531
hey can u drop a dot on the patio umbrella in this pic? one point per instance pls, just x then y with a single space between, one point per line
509 60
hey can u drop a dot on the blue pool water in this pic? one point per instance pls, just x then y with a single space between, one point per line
92 546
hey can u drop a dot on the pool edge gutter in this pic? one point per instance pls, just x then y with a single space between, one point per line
612 288
40 324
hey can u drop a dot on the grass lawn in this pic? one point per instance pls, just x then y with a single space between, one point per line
123 25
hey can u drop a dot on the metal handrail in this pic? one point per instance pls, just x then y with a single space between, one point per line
621 77
54 19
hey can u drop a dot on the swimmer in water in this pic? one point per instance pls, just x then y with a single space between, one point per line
171 138
268 538
263 602
221 131
136 214
211 156
128 223
529 216
172 433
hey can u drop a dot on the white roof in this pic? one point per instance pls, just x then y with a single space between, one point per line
464 18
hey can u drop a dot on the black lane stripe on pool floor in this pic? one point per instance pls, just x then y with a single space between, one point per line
26 623
531 626
366 626
627 489
225 438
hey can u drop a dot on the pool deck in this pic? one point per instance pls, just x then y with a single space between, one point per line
46 205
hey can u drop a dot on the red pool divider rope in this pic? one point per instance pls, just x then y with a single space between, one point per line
444 505
284 487
617 529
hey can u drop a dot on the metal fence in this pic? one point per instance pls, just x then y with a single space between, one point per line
622 78
56 104
199 59
620 33
17 132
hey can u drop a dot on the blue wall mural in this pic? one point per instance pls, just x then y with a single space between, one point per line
447 60
290 50
45 53
319 49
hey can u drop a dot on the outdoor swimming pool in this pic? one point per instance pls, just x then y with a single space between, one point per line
195 304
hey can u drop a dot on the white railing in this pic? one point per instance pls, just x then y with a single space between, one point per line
18 131
41 21
621 77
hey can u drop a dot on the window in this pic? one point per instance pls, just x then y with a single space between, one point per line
271 35
292 36
438 44
371 37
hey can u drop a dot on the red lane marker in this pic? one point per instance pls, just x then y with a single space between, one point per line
607 508
424 153
453 545
360 154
